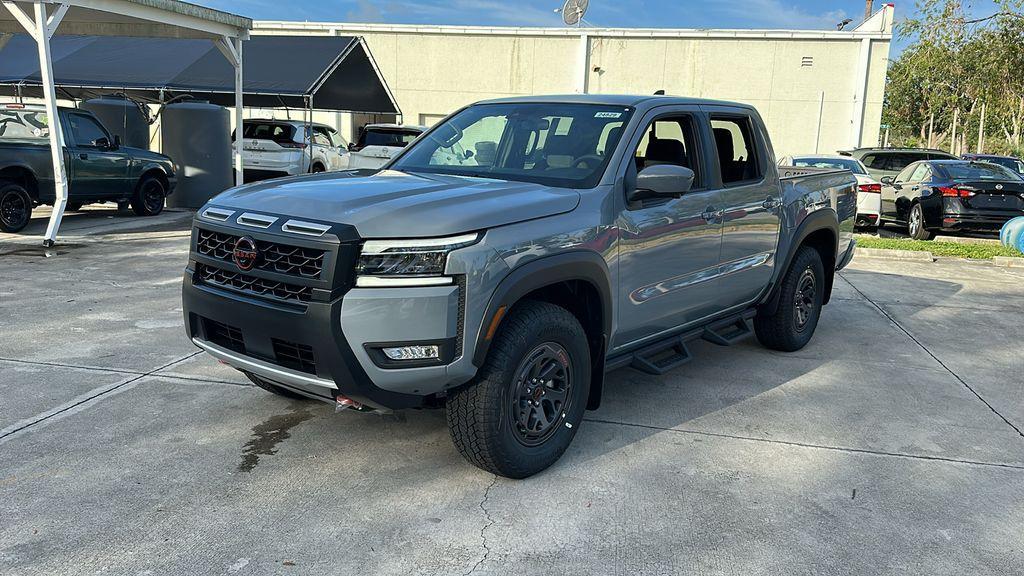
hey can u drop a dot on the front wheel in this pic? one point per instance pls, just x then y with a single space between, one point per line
802 293
523 409
15 207
915 224
149 197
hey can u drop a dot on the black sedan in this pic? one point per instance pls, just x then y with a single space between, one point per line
954 195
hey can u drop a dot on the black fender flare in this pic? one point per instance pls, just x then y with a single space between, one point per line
581 265
818 220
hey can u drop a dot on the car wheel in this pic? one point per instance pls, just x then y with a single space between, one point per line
915 224
317 168
270 387
522 411
15 207
149 197
802 293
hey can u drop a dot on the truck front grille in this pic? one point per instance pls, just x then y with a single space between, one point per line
247 284
273 257
295 356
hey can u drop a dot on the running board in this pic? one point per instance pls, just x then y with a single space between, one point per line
671 352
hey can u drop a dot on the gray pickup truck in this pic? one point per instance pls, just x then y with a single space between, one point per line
99 168
511 256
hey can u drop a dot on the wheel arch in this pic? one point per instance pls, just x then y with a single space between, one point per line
578 281
152 170
820 230
23 176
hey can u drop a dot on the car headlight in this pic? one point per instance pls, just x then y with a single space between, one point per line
413 262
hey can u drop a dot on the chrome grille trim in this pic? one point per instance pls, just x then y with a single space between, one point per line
305 228
255 220
217 214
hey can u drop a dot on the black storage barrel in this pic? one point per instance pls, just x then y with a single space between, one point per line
197 137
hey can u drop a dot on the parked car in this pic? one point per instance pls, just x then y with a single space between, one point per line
378 143
882 162
605 232
953 195
275 148
869 190
99 168
1013 163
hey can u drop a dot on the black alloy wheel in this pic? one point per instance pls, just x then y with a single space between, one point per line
541 394
15 208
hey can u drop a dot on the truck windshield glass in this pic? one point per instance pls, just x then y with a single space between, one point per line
978 171
23 124
565 145
378 137
834 163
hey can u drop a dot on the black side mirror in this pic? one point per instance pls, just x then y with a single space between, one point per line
117 142
102 143
352 147
663 180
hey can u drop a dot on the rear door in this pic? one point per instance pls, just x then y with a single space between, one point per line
97 170
750 198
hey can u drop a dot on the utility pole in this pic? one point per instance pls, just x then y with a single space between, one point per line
952 139
981 130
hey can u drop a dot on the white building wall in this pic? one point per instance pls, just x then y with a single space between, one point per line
434 70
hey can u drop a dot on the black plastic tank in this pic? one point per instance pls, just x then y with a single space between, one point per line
122 117
197 137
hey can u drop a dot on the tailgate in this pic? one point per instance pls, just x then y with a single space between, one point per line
993 195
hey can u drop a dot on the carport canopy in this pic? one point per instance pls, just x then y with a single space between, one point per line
335 73
43 19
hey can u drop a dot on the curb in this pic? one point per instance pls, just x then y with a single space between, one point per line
901 255
1008 261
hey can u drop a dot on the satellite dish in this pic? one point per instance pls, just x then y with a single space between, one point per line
573 11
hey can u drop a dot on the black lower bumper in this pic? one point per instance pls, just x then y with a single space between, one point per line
271 333
976 222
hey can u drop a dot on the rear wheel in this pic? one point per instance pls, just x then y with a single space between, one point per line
317 168
802 293
149 197
528 400
915 224
15 207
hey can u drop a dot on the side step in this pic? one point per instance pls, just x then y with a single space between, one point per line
671 352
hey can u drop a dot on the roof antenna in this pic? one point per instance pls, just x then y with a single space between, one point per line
659 93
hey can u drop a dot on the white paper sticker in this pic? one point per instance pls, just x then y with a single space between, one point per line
608 115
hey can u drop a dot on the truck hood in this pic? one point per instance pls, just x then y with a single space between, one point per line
391 204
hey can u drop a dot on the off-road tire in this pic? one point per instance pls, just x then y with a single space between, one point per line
15 207
269 387
918 232
149 197
480 415
783 330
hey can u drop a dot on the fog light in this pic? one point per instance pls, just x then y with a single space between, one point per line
413 353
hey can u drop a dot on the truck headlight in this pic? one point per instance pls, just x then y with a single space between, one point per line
413 262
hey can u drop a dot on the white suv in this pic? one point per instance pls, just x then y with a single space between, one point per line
273 148
378 143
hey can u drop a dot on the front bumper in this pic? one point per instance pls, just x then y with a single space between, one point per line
328 344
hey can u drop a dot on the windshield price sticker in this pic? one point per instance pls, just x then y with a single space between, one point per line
608 115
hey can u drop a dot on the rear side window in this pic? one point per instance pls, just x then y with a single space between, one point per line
920 173
893 160
379 137
279 133
737 153
22 124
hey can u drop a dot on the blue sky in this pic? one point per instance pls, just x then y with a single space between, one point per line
804 14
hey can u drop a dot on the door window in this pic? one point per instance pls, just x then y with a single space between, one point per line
920 173
320 137
737 153
86 130
670 140
904 176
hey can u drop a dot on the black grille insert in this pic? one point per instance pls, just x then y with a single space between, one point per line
295 356
224 335
273 257
252 285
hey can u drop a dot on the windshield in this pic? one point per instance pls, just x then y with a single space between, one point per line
835 163
978 171
23 124
566 145
1011 163
386 137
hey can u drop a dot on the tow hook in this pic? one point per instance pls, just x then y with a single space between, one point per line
346 403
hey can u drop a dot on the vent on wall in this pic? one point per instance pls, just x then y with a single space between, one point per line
807 61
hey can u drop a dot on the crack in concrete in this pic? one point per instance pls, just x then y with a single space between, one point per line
809 445
44 416
169 376
934 357
487 524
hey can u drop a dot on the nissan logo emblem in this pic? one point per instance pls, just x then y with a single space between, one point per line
999 186
244 254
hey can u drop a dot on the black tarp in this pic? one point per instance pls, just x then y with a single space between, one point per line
330 72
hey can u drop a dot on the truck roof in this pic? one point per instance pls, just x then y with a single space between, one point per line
634 100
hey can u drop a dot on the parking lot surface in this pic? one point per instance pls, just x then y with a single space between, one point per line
892 444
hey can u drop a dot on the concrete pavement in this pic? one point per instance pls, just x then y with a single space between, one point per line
890 445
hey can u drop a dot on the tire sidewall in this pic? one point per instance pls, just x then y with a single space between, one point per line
807 259
15 189
139 202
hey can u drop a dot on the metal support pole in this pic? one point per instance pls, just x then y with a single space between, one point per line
239 106
44 29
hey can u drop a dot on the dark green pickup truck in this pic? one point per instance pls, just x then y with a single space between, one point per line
98 168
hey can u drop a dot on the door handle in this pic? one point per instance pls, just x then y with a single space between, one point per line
770 204
83 156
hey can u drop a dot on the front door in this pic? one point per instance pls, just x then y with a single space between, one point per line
669 247
97 169
750 199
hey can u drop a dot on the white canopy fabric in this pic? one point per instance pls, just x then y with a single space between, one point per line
42 19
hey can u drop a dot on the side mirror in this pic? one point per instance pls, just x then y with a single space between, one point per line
663 180
352 147
887 180
102 143
117 142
